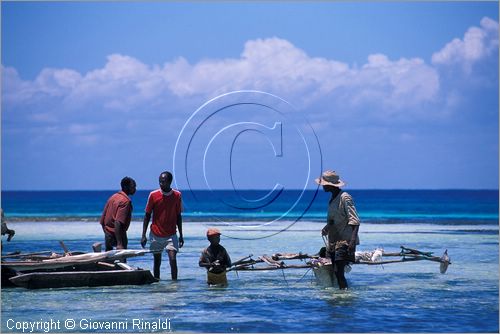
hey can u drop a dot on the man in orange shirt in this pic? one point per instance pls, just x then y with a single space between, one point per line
165 205
117 214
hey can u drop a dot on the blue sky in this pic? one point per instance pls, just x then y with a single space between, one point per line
399 95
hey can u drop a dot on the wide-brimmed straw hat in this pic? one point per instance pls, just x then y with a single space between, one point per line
330 178
212 232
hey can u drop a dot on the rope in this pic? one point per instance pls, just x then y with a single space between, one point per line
284 277
325 240
300 279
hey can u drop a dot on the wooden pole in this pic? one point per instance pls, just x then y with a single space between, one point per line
247 268
25 255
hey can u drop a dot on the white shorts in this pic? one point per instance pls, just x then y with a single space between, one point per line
158 244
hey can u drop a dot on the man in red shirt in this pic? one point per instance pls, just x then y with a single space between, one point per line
117 214
165 204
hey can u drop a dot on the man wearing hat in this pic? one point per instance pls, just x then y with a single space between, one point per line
215 258
342 225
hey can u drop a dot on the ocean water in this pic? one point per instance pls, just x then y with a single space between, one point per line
222 205
402 297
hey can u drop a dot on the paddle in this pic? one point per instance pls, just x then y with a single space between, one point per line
66 251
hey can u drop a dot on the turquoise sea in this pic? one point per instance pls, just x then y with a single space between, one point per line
403 297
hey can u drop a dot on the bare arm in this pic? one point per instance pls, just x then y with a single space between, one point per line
101 221
145 224
120 235
179 227
204 260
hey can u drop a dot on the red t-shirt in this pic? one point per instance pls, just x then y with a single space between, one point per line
165 209
117 208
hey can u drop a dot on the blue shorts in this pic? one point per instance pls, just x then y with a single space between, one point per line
158 244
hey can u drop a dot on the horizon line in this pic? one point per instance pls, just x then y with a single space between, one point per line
259 189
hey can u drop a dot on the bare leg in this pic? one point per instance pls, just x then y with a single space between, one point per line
340 265
108 242
11 235
157 265
172 257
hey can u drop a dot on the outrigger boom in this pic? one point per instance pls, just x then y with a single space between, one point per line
277 261
274 262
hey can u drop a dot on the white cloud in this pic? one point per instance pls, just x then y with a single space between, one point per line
49 83
273 64
123 83
477 43
395 84
278 66
15 90
56 82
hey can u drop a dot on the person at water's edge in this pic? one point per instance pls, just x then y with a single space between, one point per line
342 225
5 229
165 205
117 214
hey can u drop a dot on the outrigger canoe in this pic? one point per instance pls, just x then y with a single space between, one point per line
81 270
324 270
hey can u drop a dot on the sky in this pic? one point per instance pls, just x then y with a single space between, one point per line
391 95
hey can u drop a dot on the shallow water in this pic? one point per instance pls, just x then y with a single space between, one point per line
403 297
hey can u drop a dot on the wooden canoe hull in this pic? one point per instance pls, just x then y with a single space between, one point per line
65 279
7 274
61 262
